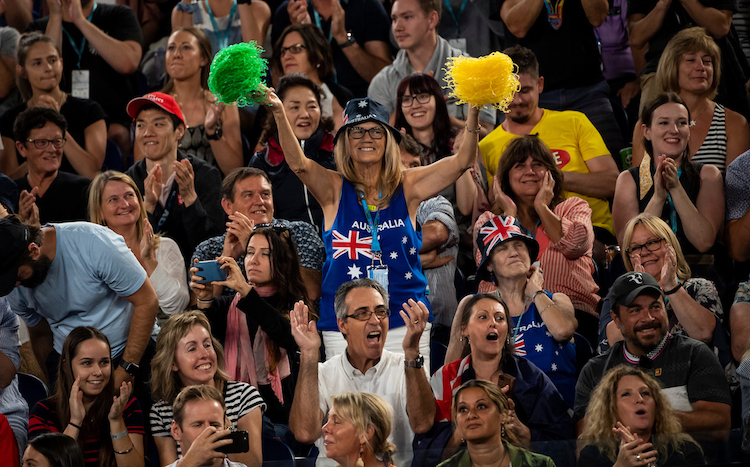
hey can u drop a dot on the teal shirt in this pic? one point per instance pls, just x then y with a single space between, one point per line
519 457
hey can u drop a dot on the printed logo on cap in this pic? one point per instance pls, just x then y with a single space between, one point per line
636 277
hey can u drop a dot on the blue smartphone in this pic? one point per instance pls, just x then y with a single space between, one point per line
210 271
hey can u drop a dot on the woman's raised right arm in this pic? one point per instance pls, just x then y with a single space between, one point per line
324 184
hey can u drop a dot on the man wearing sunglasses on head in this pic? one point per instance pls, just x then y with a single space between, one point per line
46 193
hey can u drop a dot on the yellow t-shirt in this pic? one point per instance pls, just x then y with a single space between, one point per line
573 140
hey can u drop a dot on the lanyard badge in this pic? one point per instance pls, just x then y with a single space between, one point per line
377 270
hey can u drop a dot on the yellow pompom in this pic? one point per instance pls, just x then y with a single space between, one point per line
491 79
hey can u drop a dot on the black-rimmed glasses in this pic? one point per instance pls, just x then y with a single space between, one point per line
41 143
294 49
375 132
422 98
651 245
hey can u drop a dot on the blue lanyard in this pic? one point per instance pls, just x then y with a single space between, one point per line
320 26
76 49
375 246
449 8
672 210
223 41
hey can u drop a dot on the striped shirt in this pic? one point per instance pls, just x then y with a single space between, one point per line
567 264
714 148
240 398
44 419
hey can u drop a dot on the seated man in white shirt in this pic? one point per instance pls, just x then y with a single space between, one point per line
362 312
200 426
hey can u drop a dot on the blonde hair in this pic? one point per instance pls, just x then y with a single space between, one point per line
602 415
495 394
658 227
96 191
166 383
391 171
364 410
690 40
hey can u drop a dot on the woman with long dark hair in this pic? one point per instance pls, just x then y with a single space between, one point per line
57 449
253 325
106 423
686 195
422 112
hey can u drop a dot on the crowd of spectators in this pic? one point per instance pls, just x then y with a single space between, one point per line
566 283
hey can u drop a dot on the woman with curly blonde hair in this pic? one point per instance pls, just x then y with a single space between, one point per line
630 422
188 354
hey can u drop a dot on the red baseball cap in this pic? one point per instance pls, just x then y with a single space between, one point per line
165 101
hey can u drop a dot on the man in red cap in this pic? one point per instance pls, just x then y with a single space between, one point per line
182 193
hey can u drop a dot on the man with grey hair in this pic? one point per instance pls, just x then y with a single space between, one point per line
362 313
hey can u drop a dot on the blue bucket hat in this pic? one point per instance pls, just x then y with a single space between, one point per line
365 110
496 231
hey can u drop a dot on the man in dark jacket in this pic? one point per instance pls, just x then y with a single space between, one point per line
182 193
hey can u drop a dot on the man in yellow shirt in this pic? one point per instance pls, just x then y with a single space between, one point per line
590 171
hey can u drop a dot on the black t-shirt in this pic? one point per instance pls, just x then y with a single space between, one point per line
65 200
569 56
675 20
367 20
112 90
79 113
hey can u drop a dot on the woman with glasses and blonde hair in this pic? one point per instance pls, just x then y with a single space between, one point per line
357 430
694 308
253 325
188 354
116 202
369 208
630 423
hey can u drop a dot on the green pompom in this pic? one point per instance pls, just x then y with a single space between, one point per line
237 73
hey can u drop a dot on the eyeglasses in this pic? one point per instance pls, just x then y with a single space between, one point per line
294 49
365 315
422 98
41 143
651 245
375 132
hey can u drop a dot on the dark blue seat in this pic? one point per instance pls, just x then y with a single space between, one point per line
276 453
32 389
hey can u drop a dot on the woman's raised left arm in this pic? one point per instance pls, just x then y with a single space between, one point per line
421 183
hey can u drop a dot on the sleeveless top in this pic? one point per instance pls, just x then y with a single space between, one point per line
556 359
691 188
348 254
714 148
196 143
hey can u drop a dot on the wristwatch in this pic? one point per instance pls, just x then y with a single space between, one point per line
349 41
416 363
217 133
131 368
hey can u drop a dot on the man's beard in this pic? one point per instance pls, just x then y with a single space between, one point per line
647 347
39 270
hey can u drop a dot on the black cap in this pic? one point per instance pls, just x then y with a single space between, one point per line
15 238
630 285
